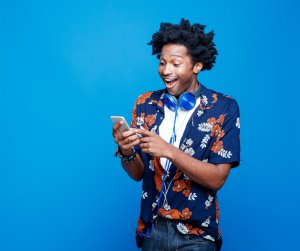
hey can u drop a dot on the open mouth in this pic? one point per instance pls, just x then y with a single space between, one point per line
170 83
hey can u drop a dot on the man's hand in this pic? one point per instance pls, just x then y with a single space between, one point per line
126 140
153 144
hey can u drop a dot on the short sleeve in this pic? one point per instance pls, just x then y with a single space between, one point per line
134 115
226 149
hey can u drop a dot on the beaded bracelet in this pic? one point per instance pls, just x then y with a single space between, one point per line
125 158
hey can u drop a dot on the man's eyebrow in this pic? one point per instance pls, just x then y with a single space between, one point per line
172 55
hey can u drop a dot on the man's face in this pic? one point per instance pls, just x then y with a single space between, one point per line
177 70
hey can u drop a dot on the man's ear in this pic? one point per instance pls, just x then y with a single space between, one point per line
197 67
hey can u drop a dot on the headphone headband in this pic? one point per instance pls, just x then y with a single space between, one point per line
186 100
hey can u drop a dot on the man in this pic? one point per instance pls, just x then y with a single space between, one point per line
183 142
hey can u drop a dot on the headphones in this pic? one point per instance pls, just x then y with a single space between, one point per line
186 100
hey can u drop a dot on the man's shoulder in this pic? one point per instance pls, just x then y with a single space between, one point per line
216 98
149 96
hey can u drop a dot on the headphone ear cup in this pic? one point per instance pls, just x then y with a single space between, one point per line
171 102
187 101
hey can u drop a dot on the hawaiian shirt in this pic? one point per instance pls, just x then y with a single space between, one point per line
211 135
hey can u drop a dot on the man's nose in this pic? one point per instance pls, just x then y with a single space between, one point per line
167 70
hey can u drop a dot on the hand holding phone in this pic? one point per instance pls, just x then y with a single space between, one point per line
124 127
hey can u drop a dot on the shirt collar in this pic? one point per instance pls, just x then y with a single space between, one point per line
206 96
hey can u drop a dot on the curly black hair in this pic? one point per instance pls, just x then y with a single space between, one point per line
200 45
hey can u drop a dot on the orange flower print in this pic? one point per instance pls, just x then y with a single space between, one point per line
216 131
217 146
201 107
159 103
187 191
194 230
221 119
171 214
177 175
150 119
179 185
133 117
141 226
142 99
186 214
212 121
220 135
215 97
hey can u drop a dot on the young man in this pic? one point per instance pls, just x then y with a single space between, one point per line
183 142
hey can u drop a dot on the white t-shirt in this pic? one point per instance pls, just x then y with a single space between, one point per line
166 127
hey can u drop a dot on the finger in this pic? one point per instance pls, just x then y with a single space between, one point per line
130 132
137 133
145 145
142 145
133 137
117 124
125 145
145 149
129 136
116 136
145 139
135 142
116 133
144 132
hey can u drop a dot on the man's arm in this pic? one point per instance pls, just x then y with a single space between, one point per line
209 175
206 174
135 168
126 141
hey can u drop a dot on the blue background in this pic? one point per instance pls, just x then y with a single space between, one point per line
66 66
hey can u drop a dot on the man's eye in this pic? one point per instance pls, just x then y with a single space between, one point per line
177 64
161 63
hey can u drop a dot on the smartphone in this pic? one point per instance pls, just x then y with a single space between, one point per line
124 127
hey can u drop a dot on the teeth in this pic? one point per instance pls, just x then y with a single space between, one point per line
170 80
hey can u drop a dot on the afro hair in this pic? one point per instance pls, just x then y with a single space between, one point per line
199 44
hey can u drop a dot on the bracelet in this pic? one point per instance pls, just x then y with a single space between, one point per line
125 158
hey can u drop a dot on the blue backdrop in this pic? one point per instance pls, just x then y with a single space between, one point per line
66 66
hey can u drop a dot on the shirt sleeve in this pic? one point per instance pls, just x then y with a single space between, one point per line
226 149
134 124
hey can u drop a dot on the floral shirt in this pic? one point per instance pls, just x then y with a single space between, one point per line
211 135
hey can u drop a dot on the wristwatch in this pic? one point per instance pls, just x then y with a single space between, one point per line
126 158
